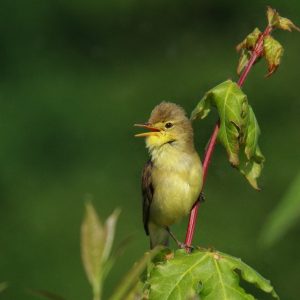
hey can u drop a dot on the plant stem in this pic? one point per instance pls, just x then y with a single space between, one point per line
257 52
97 289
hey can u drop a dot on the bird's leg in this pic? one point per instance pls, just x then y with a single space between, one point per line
179 244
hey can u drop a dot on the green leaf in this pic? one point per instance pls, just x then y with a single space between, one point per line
3 286
275 20
130 285
284 216
273 52
92 246
252 160
252 168
210 274
109 234
45 294
96 243
232 107
250 40
239 130
243 61
245 48
272 16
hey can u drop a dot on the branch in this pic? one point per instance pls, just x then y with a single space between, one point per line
257 52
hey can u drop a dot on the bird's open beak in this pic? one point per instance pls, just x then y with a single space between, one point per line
153 130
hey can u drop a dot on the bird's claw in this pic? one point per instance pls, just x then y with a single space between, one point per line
185 246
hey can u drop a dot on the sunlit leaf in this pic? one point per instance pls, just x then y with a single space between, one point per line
250 40
272 16
287 24
251 168
232 107
96 243
273 52
252 160
245 48
284 216
109 233
210 274
45 294
243 60
92 244
239 129
277 21
129 285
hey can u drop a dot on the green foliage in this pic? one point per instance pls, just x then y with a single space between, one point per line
275 20
272 49
245 47
33 92
96 244
239 130
250 40
284 216
171 275
206 274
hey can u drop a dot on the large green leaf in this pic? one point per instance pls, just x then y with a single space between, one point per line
284 216
232 106
210 274
239 130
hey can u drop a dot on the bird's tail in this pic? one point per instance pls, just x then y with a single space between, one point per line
158 235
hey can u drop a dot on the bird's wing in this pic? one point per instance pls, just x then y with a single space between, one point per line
147 191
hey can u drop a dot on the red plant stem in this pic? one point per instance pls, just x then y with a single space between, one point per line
257 52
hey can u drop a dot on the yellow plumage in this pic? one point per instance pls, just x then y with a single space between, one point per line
176 179
172 180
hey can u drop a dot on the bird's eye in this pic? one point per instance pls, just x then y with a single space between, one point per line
169 125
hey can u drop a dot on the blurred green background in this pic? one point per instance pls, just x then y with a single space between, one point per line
76 75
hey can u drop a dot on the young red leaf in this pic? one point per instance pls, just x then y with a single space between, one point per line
250 40
277 21
273 52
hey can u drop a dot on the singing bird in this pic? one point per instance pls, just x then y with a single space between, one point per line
172 178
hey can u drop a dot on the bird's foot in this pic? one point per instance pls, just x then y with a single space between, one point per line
180 245
190 248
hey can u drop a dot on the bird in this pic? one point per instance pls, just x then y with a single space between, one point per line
172 178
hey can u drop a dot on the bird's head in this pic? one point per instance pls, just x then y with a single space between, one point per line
168 124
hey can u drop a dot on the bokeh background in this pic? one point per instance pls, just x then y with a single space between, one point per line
76 75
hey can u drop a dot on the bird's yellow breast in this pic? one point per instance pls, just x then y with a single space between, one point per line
177 182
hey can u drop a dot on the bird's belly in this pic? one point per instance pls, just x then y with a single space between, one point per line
174 197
